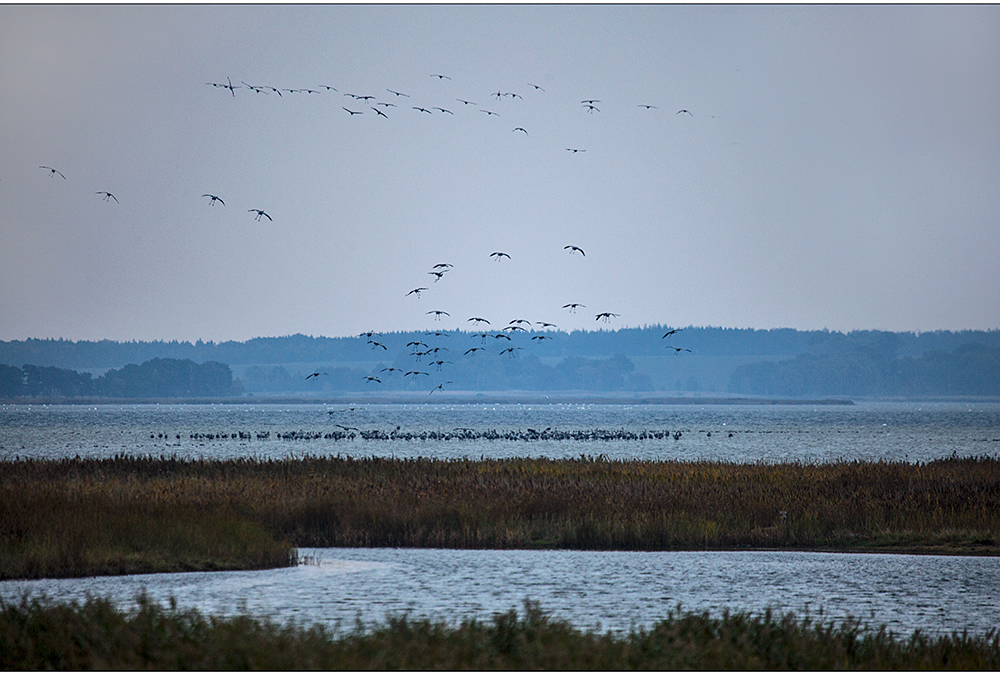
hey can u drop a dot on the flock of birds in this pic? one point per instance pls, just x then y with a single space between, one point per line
420 349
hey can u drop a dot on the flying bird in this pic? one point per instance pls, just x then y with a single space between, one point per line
572 306
473 350
422 110
369 378
545 324
535 86
648 107
230 87
591 101
416 291
541 337
513 321
379 112
437 314
438 274
414 373
214 199
575 248
678 350
108 196
353 112
490 112
444 110
440 387
52 172
671 332
605 316
398 93
478 320
462 100
316 374
591 109
441 77
378 344
684 111
443 265
259 214
575 150
499 254
521 129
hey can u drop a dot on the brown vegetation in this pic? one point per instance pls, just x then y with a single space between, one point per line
78 516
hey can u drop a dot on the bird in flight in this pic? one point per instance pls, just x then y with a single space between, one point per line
535 86
214 199
545 324
521 129
541 337
422 110
605 316
398 93
438 274
513 321
414 373
441 77
572 306
671 332
108 196
230 87
328 87
370 378
316 374
478 320
255 88
444 110
462 100
684 111
678 350
648 107
443 265
575 248
490 112
591 108
417 291
353 112
575 150
259 214
473 350
499 254
437 314
440 387
52 172
379 112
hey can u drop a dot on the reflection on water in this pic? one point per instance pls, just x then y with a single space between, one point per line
731 433
612 590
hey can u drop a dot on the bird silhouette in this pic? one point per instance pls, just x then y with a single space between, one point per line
422 110
229 86
573 249
379 112
214 199
444 110
473 350
545 324
370 378
591 101
438 274
648 107
353 112
575 150
443 265
684 111
398 93
499 254
440 387
478 320
259 214
671 332
605 317
438 313
441 77
572 307
521 129
53 172
316 374
591 108
490 112
677 350
463 101
416 291
108 196
535 86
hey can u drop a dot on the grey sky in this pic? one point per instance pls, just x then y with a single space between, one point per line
840 168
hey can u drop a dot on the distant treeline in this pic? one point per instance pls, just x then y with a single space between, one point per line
869 365
632 342
156 378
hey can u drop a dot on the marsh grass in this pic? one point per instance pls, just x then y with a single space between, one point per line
126 514
38 635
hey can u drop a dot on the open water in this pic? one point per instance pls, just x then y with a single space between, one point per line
613 590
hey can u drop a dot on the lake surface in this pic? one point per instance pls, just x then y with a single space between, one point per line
611 590
732 433
616 590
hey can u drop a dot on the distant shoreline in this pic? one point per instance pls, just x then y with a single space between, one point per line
454 399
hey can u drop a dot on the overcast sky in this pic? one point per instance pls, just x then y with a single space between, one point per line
839 167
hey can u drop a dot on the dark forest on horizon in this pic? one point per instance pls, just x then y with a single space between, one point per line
749 362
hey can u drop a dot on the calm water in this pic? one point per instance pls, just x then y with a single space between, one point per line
868 431
613 590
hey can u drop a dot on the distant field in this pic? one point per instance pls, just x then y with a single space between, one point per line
78 517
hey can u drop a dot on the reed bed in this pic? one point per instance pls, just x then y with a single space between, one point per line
90 516
38 635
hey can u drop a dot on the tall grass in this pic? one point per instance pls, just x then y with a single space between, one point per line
60 515
37 635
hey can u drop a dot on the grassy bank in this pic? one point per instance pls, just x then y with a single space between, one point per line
77 516
36 635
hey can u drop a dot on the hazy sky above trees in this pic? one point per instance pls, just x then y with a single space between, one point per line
839 168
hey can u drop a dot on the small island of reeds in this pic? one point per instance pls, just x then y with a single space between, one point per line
78 517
